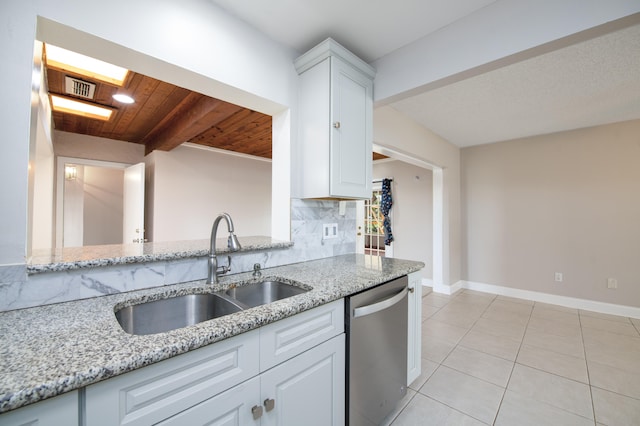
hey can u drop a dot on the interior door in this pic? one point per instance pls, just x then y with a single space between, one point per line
133 210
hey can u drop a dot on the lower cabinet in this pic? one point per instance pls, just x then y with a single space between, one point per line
154 393
290 372
61 410
306 390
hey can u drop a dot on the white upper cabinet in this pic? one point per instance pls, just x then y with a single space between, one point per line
335 123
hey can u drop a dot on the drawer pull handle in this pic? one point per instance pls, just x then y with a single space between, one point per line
269 404
336 124
256 410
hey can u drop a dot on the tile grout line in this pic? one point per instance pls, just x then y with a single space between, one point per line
416 391
582 327
454 348
586 362
403 408
506 387
440 364
633 324
454 409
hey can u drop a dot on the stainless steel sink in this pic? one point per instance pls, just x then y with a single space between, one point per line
174 312
264 292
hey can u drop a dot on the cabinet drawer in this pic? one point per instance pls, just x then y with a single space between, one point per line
161 390
282 340
232 407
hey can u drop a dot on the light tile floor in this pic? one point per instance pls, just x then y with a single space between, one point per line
494 360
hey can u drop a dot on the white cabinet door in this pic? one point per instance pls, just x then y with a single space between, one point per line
335 112
61 410
230 408
351 131
308 389
414 328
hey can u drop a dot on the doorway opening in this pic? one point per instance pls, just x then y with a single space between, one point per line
373 225
97 202
438 255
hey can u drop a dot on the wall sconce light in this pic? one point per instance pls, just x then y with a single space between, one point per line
70 172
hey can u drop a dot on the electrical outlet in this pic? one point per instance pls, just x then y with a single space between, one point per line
329 230
612 283
558 277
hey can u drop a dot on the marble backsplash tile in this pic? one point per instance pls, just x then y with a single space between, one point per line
19 290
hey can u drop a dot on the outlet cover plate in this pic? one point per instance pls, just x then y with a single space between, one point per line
329 230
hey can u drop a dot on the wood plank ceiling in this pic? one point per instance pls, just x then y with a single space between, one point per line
164 116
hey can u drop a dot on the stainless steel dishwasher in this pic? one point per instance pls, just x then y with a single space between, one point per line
376 325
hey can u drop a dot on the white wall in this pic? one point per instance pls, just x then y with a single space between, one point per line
393 130
74 145
567 202
43 169
190 43
412 211
502 33
41 162
191 186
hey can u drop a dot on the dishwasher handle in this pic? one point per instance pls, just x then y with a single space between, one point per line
379 306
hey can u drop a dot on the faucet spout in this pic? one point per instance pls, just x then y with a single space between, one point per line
232 243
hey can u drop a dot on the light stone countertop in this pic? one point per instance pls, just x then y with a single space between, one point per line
49 350
65 259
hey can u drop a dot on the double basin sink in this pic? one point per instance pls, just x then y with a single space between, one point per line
163 315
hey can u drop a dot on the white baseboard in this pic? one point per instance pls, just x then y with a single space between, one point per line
570 302
441 288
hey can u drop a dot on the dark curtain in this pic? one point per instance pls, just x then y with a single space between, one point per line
385 206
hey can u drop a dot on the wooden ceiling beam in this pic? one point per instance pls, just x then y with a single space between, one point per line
195 114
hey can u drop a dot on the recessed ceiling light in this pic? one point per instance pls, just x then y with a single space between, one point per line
72 106
67 60
125 99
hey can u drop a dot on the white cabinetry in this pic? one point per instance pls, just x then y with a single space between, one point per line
154 393
268 376
335 123
414 340
308 389
61 410
232 407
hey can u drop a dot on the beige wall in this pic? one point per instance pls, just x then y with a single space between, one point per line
412 211
393 130
188 187
103 206
566 202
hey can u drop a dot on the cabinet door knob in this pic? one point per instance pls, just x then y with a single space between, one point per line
411 289
269 404
256 410
336 124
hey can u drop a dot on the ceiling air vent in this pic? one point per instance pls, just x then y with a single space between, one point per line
80 88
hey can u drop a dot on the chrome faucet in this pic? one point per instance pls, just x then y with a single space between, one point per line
232 243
